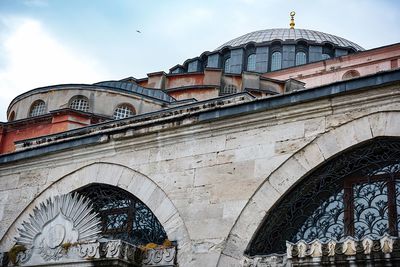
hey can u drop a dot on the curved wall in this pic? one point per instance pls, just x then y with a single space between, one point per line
101 101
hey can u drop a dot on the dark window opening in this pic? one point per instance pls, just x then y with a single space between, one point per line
124 216
355 194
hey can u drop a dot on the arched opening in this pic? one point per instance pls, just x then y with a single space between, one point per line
228 89
251 62
124 111
355 194
301 53
350 74
301 58
227 65
80 103
37 108
327 51
276 61
123 216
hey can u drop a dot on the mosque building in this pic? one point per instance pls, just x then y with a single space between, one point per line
280 147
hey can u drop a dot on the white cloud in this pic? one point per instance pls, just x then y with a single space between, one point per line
33 58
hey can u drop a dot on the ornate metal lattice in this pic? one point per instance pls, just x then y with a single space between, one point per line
124 216
356 194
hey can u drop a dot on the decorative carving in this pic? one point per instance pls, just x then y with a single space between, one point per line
65 219
289 248
89 250
311 253
386 244
349 247
321 199
315 249
159 256
331 248
302 249
367 245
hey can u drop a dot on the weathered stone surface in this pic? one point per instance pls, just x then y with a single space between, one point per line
210 188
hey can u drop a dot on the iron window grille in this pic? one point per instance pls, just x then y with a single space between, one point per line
301 58
251 62
124 216
276 61
37 108
80 103
355 194
227 65
228 89
123 111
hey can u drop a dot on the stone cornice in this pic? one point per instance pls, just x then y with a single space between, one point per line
227 116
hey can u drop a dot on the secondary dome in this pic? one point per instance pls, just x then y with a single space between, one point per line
290 34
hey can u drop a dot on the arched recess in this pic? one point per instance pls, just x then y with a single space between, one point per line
298 166
125 178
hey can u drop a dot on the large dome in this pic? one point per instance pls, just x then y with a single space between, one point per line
290 34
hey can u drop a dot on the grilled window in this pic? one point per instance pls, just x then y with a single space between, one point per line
276 61
124 216
355 194
251 62
301 58
228 89
38 108
123 111
79 103
227 66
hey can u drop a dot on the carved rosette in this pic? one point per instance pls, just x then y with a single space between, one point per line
56 224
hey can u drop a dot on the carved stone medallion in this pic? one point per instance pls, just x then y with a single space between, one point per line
58 223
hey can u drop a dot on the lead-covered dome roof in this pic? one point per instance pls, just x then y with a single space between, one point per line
290 34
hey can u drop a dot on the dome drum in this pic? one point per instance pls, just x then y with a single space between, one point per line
233 56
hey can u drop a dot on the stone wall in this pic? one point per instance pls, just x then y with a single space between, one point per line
210 184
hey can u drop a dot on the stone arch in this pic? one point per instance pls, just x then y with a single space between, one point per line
298 166
125 178
350 74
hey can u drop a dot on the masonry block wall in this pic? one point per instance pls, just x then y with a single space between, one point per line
210 184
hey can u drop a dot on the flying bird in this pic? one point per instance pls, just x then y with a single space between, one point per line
138 31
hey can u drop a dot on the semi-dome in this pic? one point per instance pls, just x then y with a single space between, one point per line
287 34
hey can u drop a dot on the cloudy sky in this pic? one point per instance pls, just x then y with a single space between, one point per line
45 42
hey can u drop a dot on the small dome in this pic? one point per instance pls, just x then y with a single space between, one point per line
290 34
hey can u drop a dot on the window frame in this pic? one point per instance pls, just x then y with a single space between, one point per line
34 104
79 97
248 61
131 107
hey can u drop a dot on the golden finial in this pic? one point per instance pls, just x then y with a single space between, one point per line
292 19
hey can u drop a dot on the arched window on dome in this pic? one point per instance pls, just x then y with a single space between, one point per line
251 62
301 58
227 65
123 111
37 108
123 216
79 103
354 195
327 51
276 61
